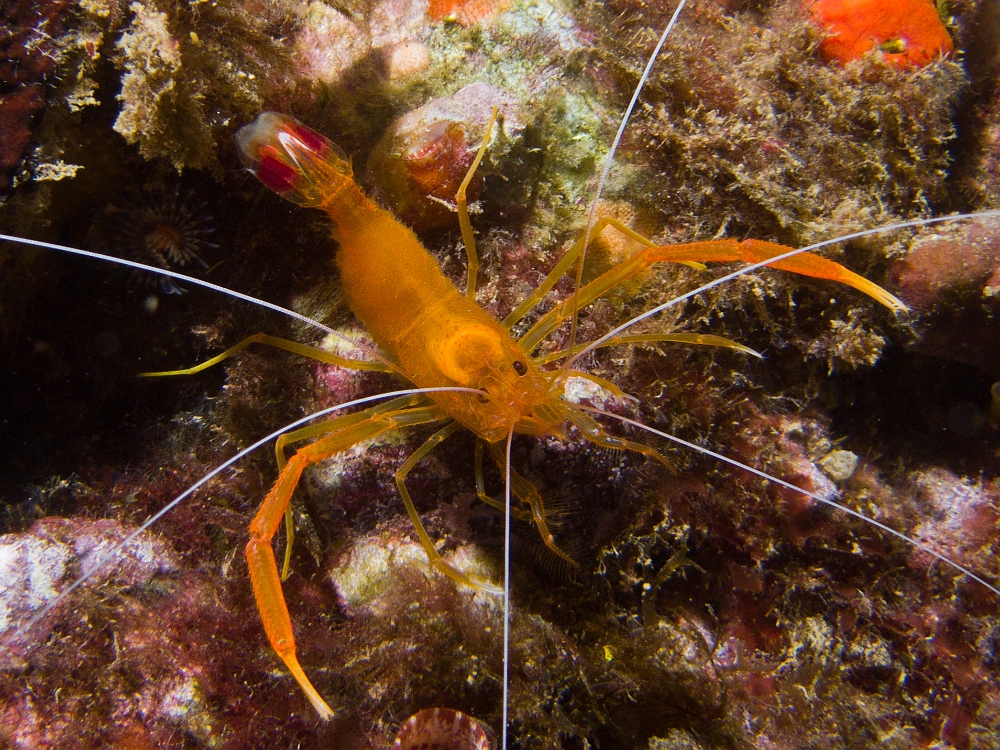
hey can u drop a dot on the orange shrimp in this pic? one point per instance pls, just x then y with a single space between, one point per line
438 338
445 338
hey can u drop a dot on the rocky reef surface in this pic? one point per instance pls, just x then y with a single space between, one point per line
708 608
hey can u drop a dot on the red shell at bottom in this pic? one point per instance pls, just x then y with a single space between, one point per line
441 729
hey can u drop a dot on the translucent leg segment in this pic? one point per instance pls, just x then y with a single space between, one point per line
701 339
566 263
593 432
325 428
279 343
481 487
425 540
528 493
463 213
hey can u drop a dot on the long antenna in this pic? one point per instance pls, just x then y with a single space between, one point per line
359 344
591 219
788 485
506 587
609 160
106 556
173 275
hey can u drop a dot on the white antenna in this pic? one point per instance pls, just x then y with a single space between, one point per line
108 554
358 344
609 159
591 219
788 485
173 275
506 586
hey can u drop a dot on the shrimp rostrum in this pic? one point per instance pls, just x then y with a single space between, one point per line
435 336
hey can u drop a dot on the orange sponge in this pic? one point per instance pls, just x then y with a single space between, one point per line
908 32
465 12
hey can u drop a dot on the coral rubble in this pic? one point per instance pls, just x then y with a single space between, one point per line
708 608
952 279
424 155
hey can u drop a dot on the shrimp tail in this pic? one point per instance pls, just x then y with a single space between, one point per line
293 160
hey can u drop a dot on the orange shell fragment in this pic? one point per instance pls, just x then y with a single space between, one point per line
465 12
909 33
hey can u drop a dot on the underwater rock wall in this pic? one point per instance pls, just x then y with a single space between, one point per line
709 608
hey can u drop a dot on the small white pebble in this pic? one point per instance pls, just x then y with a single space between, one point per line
839 465
407 59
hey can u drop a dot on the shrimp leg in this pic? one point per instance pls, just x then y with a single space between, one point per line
463 213
699 339
527 493
751 251
433 555
325 428
481 481
592 431
306 351
260 556
289 346
481 487
566 263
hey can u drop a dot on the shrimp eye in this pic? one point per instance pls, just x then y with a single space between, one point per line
483 398
520 368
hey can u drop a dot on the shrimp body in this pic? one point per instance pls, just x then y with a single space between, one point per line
432 334
438 338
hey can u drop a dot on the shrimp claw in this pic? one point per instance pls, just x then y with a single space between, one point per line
711 251
264 579
757 251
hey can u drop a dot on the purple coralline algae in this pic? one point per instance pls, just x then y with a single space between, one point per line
37 564
27 64
707 608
